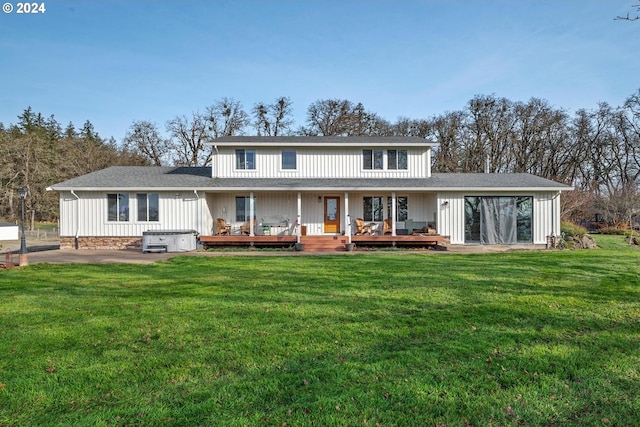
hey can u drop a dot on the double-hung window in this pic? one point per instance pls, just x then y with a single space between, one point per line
401 208
246 159
148 207
289 160
118 207
372 159
372 209
243 208
397 159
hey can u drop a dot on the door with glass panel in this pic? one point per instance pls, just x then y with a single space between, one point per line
331 214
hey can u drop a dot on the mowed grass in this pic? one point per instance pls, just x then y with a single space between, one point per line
521 338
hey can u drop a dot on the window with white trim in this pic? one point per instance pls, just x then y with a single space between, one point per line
372 159
401 208
242 208
148 207
289 160
246 159
372 208
118 207
397 159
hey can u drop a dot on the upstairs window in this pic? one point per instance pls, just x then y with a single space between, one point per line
372 159
246 159
289 160
397 159
118 207
148 207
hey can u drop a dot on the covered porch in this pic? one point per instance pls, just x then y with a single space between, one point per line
322 213
336 243
326 220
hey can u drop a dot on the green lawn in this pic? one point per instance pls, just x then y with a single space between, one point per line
533 338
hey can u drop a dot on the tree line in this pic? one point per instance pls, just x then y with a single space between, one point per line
37 152
595 150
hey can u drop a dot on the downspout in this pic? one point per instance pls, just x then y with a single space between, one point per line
198 211
73 193
553 214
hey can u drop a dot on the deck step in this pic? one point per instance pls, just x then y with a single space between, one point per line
323 243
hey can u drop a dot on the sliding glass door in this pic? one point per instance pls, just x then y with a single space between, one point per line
492 220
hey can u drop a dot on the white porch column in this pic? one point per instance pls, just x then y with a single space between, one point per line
394 214
251 215
347 217
299 220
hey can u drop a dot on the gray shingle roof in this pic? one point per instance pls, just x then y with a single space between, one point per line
134 177
199 178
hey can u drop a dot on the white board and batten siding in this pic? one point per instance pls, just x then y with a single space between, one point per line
313 162
177 211
546 213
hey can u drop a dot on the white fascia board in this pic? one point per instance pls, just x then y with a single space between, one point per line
500 189
138 189
312 188
386 189
321 144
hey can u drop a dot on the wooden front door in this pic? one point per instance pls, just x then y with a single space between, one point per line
331 214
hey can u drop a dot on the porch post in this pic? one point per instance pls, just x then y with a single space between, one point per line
347 218
251 215
299 227
394 214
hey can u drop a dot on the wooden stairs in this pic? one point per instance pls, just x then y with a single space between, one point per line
324 243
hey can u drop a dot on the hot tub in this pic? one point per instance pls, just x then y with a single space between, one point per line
169 241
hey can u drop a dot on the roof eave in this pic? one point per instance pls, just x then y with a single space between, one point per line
139 189
319 144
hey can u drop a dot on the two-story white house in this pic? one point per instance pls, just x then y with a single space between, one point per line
308 186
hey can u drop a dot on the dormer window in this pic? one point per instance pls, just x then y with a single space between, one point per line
245 159
372 159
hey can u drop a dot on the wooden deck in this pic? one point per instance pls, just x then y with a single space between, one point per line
323 243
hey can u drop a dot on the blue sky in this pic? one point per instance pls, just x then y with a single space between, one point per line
113 62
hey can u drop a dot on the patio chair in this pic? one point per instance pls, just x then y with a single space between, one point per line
246 227
222 228
387 227
362 228
294 229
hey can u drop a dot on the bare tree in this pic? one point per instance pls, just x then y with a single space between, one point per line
227 117
189 136
340 117
144 138
273 119
366 123
629 17
329 117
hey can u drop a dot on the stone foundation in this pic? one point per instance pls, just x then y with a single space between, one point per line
112 243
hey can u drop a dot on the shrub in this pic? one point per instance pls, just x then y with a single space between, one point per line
619 231
570 229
